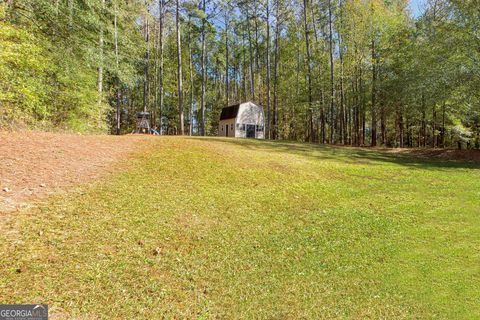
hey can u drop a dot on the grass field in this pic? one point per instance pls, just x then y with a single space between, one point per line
239 229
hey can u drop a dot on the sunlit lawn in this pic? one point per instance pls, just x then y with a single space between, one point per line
212 228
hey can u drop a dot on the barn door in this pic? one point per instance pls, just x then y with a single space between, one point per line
250 131
226 130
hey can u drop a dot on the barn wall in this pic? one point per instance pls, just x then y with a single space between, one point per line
260 134
250 113
221 128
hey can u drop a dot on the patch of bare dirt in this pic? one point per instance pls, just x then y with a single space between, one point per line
445 154
441 154
35 164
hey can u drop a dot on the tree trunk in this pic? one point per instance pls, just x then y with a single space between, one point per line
257 55
424 123
309 136
190 116
179 71
363 115
161 89
293 113
443 126
383 125
374 93
154 82
268 131
343 114
409 134
275 71
236 69
400 127
332 85
434 126
226 57
117 79
100 65
252 58
204 73
244 70
354 109
147 58
323 120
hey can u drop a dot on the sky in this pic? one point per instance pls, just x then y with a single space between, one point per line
416 6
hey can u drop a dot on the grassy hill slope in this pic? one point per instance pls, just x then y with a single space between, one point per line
212 228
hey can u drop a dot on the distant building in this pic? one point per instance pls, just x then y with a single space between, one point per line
244 120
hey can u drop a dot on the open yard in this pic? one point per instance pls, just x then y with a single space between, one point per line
204 228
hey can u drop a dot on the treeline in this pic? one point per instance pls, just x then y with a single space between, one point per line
354 72
58 63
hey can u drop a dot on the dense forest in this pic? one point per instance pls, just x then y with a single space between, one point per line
353 72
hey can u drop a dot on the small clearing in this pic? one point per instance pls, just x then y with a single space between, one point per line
35 164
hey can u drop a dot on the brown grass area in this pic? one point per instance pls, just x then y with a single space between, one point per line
437 153
446 154
35 164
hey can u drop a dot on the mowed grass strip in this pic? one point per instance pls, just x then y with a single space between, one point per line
240 229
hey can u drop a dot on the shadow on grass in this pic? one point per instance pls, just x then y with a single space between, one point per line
341 153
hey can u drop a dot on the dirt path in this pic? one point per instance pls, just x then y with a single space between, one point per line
35 164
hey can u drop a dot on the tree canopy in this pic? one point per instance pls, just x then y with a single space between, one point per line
327 71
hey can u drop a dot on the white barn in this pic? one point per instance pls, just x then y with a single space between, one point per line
244 120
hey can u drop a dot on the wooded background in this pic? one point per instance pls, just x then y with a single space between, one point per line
361 72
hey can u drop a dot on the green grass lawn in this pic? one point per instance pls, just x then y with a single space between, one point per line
240 229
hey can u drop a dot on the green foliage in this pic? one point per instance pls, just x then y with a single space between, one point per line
410 77
50 59
24 71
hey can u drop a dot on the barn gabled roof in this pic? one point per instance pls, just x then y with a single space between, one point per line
229 112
